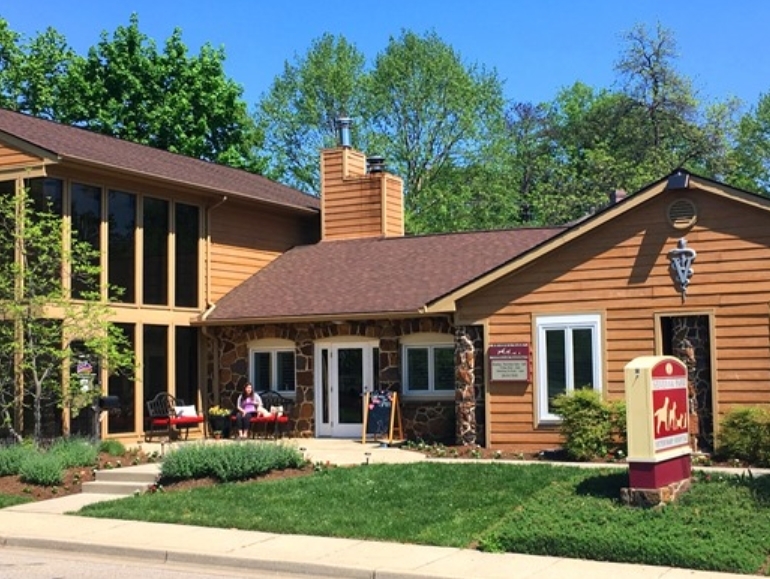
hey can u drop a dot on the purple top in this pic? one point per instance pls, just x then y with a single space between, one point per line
249 403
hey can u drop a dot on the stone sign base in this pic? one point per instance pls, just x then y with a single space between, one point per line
654 498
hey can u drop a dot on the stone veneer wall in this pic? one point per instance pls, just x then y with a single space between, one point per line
432 421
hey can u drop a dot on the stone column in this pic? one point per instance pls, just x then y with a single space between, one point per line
465 391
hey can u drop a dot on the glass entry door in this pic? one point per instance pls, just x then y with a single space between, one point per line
343 373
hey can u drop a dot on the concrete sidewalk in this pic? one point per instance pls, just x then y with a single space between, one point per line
41 525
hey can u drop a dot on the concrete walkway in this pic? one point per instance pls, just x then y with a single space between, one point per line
41 525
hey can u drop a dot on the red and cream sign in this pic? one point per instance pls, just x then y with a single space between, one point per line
670 420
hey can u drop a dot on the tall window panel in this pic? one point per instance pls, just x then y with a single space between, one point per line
124 388
43 263
121 258
155 362
187 237
187 364
7 227
155 258
47 194
86 213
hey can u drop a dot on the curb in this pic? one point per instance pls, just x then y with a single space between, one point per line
149 554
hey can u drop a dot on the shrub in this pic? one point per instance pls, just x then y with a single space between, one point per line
228 462
11 458
75 452
591 427
745 434
112 447
42 469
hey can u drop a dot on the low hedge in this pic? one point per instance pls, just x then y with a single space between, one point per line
228 462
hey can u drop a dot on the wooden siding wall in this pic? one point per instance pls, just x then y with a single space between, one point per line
621 270
244 239
394 208
10 157
354 204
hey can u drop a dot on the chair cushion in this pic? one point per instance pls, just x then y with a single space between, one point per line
187 420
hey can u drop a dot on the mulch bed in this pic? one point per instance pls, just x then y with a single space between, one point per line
73 478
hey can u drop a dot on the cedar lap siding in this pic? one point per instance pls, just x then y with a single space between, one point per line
619 268
244 222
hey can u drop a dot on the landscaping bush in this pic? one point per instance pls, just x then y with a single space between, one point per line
46 469
591 427
112 447
229 462
745 434
75 452
11 458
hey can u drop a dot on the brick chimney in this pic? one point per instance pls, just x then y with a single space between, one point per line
358 198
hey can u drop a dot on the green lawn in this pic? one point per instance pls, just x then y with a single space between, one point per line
10 500
721 525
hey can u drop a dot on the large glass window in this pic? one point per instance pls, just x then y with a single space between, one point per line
7 238
155 362
124 387
429 369
187 364
155 259
568 358
47 194
86 214
121 264
187 238
273 369
43 258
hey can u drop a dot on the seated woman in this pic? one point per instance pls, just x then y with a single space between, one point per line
249 403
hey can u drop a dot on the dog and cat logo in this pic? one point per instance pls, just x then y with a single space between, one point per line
670 413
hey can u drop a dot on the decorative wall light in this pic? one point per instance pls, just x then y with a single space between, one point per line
681 266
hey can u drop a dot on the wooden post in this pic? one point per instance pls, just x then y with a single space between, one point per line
395 420
366 417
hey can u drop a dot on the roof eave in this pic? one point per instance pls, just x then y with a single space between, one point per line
24 145
339 317
79 161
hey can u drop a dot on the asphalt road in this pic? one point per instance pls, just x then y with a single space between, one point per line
39 564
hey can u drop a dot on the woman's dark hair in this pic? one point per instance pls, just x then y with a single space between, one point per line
246 385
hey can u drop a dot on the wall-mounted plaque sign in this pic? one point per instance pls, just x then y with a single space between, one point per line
509 362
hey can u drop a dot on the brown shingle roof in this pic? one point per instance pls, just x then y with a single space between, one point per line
372 276
73 143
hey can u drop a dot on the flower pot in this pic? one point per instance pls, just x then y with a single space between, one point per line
219 424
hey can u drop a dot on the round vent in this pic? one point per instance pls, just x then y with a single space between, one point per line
682 213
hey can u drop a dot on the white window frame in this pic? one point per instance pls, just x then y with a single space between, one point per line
429 341
565 322
273 348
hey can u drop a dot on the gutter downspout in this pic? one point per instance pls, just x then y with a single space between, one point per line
211 338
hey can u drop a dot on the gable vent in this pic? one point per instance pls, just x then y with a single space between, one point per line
682 214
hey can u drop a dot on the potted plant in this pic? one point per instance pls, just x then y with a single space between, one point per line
219 420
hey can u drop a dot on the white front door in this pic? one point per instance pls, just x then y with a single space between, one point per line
343 372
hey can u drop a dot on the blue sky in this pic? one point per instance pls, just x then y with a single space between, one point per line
536 46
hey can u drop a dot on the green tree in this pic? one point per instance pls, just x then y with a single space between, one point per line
431 114
749 160
40 76
170 100
40 321
297 115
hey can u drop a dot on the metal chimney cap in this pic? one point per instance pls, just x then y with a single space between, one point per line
375 164
343 131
